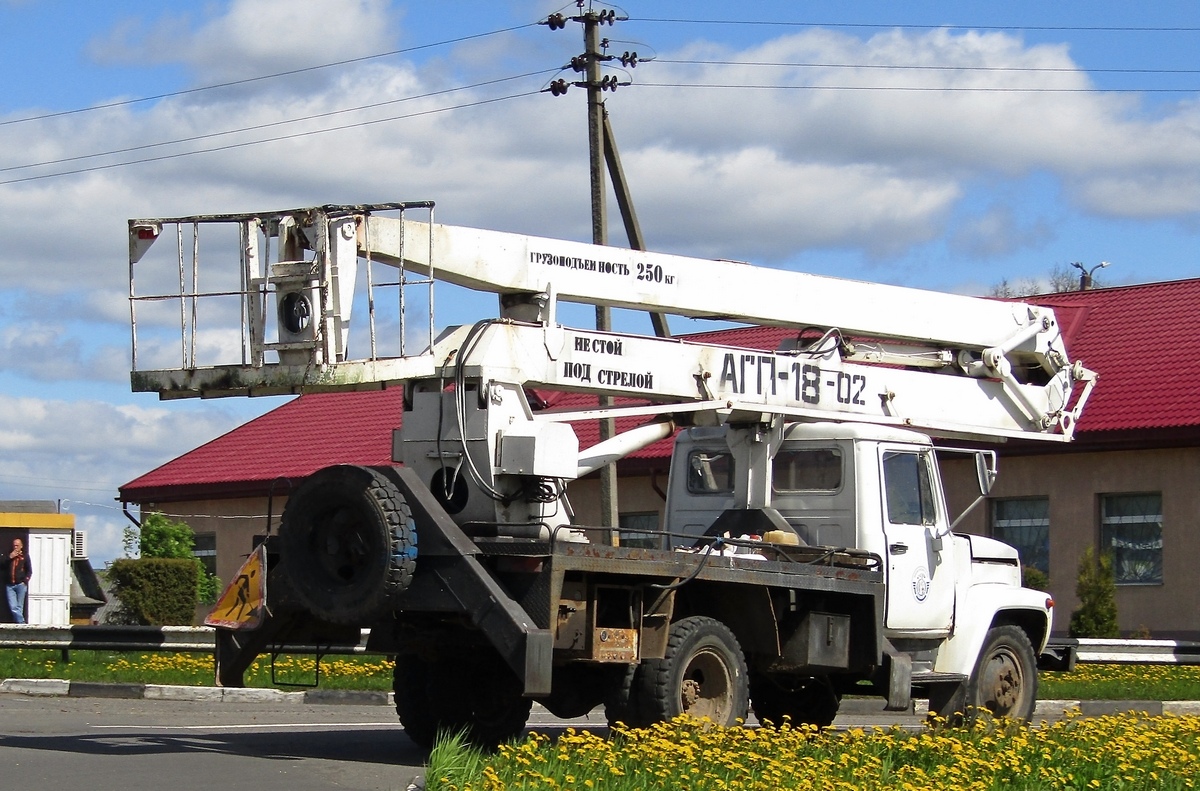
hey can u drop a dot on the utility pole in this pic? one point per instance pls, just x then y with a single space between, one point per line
609 507
602 148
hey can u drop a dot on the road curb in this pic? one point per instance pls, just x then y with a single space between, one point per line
97 689
37 687
354 697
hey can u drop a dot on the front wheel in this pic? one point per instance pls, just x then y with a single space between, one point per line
702 675
1004 681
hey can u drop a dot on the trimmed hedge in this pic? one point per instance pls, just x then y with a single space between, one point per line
156 591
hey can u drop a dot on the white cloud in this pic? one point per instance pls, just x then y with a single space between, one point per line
254 37
1086 138
737 173
998 232
774 206
90 444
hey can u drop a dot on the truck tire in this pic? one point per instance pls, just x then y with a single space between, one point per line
348 544
478 695
412 680
623 703
803 701
1004 681
702 675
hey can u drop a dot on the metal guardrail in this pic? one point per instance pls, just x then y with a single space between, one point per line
202 639
1130 652
194 639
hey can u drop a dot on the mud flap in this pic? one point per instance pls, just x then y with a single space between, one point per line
898 668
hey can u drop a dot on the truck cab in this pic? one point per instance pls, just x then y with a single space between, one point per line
855 486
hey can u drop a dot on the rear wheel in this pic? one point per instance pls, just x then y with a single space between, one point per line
348 544
624 702
803 701
478 695
702 675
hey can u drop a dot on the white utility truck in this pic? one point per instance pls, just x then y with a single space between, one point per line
806 549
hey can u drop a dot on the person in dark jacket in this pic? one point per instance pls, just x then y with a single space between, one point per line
17 571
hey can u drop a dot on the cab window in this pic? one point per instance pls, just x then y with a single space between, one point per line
807 470
909 488
710 472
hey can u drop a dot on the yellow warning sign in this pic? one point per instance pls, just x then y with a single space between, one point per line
244 601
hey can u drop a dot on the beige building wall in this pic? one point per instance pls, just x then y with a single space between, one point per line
235 522
1074 483
636 495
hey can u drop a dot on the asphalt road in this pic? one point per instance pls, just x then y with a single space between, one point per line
100 744
103 744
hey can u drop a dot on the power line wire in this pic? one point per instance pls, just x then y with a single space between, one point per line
897 67
275 139
288 73
910 88
885 26
272 124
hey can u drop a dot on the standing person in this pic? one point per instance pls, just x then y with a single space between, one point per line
18 570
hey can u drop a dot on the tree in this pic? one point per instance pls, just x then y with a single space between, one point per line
162 538
1096 588
1061 278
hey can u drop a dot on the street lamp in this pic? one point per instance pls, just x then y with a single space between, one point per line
1085 277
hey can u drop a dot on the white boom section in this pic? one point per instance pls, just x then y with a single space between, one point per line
704 288
953 365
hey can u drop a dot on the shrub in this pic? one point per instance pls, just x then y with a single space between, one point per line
1035 578
1096 588
159 537
155 591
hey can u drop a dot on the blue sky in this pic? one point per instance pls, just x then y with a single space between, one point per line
949 173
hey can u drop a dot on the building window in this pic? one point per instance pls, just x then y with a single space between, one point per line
205 548
807 470
1131 529
639 529
1025 524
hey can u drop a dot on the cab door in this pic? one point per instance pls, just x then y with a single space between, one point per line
920 595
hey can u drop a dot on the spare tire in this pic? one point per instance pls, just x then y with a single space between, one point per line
348 544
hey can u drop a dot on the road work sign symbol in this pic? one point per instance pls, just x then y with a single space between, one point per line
243 603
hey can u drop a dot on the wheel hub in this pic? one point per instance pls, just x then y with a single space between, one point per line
1004 684
690 693
706 688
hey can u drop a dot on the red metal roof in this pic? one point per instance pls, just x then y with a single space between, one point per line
1145 344
1140 339
288 443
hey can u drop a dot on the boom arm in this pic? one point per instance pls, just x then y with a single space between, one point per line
952 365
509 263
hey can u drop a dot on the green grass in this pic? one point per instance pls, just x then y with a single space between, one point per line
343 672
1086 682
1122 682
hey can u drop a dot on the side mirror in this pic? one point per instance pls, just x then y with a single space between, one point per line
985 470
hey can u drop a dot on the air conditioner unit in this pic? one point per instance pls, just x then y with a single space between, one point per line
79 547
